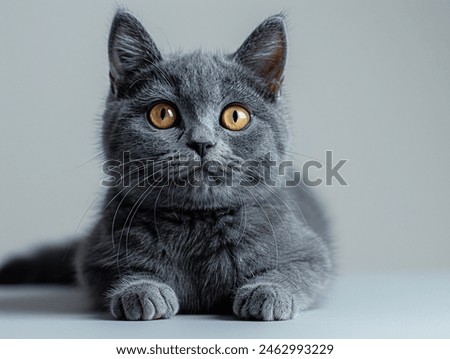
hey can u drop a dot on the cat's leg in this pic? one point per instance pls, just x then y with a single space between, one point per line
139 297
279 294
268 297
131 296
127 294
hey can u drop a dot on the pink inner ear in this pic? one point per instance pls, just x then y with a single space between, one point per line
264 52
273 69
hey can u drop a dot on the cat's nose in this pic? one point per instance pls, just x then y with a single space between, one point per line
201 147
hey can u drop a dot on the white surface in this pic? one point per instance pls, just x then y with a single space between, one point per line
408 305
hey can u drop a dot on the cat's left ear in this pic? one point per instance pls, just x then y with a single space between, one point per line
129 48
265 52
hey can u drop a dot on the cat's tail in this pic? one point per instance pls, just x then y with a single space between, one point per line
51 265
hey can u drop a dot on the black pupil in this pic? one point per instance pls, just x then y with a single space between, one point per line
235 116
163 113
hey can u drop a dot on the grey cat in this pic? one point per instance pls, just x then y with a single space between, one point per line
200 220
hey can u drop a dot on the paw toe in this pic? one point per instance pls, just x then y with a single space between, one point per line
143 300
264 302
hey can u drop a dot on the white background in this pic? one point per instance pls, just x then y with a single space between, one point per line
369 80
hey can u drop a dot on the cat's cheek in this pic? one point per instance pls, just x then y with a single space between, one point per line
143 300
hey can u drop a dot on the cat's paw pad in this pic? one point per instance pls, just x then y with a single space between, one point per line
264 302
143 300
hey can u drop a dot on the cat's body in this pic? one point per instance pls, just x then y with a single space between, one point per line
219 235
206 255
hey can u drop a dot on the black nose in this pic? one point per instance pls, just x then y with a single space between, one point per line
200 147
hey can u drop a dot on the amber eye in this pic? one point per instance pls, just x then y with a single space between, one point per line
235 117
162 115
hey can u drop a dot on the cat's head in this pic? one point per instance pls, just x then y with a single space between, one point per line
198 115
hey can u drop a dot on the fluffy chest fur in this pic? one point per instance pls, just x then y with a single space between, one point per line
206 255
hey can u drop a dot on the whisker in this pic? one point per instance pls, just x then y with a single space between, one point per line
276 194
299 154
271 226
243 216
119 206
277 213
155 207
134 210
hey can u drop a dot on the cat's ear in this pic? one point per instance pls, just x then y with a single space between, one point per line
129 47
265 52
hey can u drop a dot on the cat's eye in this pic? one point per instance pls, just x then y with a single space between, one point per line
162 115
235 117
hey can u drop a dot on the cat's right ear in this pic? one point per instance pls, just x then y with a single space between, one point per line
129 48
264 52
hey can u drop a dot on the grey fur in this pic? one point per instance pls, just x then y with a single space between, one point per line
259 251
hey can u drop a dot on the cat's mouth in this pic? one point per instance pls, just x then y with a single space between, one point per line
195 172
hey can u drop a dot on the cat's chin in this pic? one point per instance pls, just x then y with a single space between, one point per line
197 198
205 198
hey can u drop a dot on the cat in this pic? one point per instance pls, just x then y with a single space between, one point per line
200 221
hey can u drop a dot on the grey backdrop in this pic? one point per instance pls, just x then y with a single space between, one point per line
369 80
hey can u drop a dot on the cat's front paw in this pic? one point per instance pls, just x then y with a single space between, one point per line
143 300
264 301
